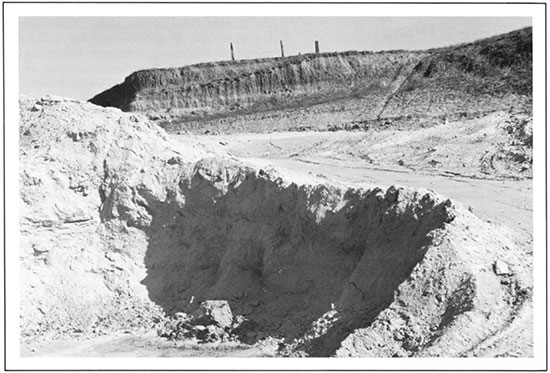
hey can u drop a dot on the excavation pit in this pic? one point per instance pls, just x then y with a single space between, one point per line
123 226
283 255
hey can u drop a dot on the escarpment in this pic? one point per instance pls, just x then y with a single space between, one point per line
215 88
486 75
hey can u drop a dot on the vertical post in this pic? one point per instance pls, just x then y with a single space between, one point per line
316 47
282 49
232 55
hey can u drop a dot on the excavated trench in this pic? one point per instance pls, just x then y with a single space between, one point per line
284 255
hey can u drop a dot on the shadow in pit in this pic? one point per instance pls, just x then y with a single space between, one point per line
360 315
271 251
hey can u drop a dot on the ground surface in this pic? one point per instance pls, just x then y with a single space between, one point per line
143 344
326 154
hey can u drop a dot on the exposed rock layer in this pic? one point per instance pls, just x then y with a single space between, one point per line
259 84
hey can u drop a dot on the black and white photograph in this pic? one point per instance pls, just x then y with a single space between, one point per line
187 183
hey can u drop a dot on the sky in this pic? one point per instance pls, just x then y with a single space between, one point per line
79 57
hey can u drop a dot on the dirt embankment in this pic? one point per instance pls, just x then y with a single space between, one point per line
319 91
252 85
121 228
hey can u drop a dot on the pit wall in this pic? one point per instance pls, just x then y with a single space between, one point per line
389 265
137 226
281 253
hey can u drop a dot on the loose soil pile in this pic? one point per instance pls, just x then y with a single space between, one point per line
121 229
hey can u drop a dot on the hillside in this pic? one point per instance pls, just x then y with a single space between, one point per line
335 88
469 77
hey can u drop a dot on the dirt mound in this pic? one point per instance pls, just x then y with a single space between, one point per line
75 271
120 227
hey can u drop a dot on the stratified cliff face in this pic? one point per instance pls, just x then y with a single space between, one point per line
487 75
260 84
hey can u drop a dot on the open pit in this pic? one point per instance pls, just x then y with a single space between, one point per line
283 254
121 229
